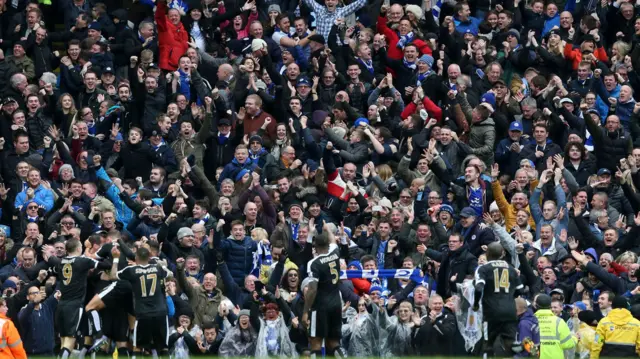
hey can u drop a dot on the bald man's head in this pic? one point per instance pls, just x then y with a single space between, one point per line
494 251
521 305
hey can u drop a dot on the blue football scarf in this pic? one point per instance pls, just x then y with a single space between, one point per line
261 257
412 274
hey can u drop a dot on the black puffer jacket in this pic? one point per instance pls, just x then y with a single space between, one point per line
460 263
610 146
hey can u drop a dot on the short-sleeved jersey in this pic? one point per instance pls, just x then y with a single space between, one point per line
147 284
72 275
500 284
325 269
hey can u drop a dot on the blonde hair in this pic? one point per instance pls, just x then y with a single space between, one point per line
259 234
628 255
623 49
384 172
146 56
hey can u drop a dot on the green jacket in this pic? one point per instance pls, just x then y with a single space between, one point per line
205 309
555 336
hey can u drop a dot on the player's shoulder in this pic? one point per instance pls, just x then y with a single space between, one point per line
498 263
126 269
86 259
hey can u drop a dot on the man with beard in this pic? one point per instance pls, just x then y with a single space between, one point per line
568 275
151 96
126 111
157 182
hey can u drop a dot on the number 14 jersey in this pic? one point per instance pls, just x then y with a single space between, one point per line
501 281
147 284
325 269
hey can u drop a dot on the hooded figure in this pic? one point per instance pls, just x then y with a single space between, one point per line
183 339
396 331
360 335
273 335
240 341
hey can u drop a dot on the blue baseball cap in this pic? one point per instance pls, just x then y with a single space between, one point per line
303 81
360 121
468 212
488 100
515 126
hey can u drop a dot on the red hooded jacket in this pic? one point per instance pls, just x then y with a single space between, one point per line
172 39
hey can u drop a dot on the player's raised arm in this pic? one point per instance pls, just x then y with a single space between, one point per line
115 253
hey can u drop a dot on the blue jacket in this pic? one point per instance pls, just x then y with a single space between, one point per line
37 327
602 104
471 24
550 22
236 293
42 196
123 213
528 328
239 256
233 168
536 211
508 160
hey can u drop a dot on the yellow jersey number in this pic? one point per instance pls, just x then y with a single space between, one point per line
501 280
153 277
334 273
67 273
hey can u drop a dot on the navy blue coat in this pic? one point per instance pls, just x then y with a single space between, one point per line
239 257
37 327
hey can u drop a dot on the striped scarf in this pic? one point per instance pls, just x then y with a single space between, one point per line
261 257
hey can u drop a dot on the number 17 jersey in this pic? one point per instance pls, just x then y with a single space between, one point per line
501 281
325 269
147 285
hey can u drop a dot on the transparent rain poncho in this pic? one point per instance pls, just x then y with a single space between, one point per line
274 341
395 336
360 334
238 343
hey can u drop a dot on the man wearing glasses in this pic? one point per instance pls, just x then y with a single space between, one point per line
38 316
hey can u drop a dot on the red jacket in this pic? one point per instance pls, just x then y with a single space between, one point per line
361 286
393 51
172 39
432 109
575 55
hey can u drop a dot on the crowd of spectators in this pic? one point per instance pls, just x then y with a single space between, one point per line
223 136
